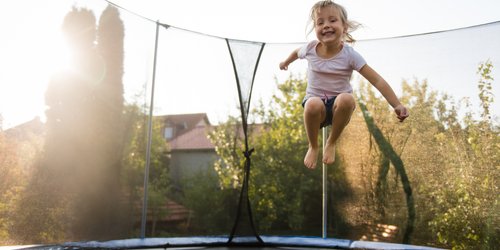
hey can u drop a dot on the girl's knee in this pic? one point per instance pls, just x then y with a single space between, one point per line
345 101
314 105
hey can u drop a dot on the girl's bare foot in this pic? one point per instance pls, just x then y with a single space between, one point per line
311 157
329 154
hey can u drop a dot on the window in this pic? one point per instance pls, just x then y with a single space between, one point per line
168 133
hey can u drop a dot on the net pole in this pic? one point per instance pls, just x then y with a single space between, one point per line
325 191
148 149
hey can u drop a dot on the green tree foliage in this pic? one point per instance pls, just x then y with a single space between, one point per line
134 162
19 148
228 141
485 89
453 183
438 170
467 203
420 151
213 207
285 196
9 185
381 165
390 156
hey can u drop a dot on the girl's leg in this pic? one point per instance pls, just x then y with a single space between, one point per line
314 114
343 108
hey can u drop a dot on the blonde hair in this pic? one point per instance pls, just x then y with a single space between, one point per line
351 25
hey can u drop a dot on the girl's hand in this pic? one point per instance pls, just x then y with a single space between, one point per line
401 112
283 66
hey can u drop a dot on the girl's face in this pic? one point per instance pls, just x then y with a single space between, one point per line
328 25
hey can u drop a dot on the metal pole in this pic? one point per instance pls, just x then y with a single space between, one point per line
325 191
148 149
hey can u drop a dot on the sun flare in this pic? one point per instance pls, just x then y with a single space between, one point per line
28 61
58 55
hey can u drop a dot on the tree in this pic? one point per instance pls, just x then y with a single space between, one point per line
104 205
76 183
110 37
10 183
450 162
283 190
466 207
390 156
46 213
134 162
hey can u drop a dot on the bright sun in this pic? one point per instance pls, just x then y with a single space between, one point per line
31 70
57 56
30 54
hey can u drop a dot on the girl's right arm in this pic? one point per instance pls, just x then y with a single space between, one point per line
291 58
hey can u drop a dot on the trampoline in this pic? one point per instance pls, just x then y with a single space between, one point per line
245 57
221 243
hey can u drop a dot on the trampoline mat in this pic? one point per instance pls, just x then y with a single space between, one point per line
221 243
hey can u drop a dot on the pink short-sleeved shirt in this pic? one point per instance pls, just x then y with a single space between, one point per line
330 77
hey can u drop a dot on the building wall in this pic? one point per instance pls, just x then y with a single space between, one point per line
186 163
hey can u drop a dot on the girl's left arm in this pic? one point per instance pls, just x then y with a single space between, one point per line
385 89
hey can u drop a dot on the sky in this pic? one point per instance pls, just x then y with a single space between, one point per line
194 71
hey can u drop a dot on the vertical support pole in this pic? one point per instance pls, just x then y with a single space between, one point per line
148 149
325 186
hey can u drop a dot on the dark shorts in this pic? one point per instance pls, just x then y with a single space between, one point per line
328 107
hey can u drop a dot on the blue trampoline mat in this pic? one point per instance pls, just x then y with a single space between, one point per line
249 242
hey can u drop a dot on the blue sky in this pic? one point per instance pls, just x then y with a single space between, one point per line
32 47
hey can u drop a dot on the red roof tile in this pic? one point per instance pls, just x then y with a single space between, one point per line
196 138
183 123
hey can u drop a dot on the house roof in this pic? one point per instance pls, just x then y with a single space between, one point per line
183 123
190 119
25 130
190 131
194 139
197 138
